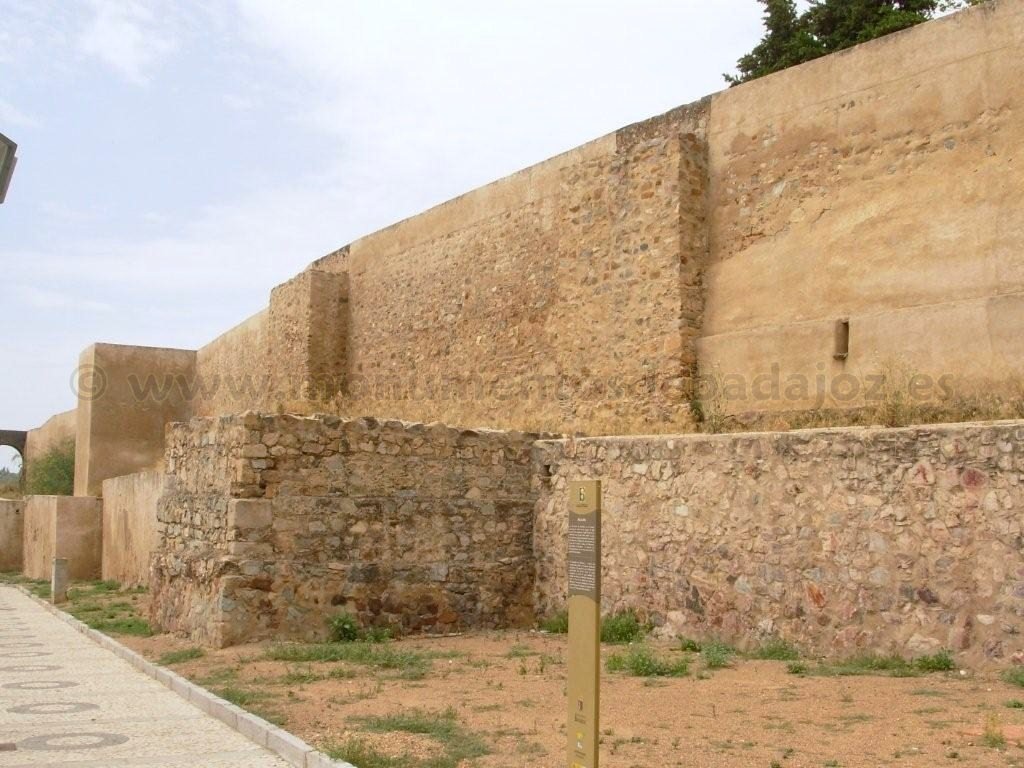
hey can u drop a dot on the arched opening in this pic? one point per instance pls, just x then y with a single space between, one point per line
12 472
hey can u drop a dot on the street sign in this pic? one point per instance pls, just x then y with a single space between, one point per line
584 623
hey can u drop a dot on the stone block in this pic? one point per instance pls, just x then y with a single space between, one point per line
249 514
290 747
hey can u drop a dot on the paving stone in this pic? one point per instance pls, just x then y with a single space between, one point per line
85 706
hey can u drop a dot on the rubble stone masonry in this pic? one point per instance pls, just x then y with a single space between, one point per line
270 524
907 540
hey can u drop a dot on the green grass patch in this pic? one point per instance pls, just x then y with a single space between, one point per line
252 701
519 652
776 649
556 624
642 662
131 625
1014 676
359 752
102 607
880 665
38 587
717 655
345 628
993 737
444 727
937 662
408 664
180 657
616 629
220 676
240 697
621 628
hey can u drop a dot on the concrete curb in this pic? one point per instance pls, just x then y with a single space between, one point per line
290 748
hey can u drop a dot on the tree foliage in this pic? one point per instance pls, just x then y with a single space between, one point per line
827 26
53 473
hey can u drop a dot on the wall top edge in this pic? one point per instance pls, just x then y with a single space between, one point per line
256 420
110 345
141 474
950 428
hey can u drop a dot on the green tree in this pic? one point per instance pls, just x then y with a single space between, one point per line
788 41
828 26
53 473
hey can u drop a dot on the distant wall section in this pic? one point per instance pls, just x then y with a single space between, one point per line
130 530
62 526
12 522
56 431
127 395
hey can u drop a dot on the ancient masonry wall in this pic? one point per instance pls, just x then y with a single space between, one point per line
837 540
286 357
727 239
272 523
130 530
12 521
62 526
879 186
566 297
127 395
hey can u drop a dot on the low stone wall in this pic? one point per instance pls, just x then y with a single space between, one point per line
11 531
906 539
272 523
130 531
63 526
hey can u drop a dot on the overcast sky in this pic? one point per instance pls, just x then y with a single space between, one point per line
177 160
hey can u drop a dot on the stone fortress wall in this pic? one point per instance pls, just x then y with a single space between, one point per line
798 233
903 540
724 239
271 523
719 243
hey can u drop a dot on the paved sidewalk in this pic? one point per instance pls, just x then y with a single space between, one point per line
65 701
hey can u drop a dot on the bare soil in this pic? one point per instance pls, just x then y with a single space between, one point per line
508 689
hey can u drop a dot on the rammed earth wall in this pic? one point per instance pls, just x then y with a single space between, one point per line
273 523
884 539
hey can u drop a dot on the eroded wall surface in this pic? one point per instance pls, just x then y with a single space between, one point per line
287 357
229 370
565 297
881 185
130 530
904 540
126 397
271 524
723 240
63 526
11 533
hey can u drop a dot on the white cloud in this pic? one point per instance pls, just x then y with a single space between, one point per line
128 37
381 107
38 298
10 115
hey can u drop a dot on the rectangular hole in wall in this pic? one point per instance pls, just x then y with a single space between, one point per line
842 341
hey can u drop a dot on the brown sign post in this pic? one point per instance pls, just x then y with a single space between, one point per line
584 622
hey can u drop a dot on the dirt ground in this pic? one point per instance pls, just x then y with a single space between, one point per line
507 690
